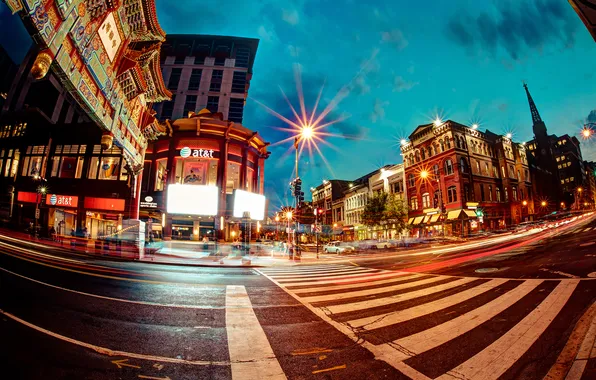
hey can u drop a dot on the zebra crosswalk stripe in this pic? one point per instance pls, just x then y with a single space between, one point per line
371 291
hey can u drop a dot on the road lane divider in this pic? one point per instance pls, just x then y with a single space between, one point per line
251 354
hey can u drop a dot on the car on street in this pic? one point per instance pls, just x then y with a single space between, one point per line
338 247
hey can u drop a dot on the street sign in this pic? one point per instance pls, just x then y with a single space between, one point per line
36 213
316 229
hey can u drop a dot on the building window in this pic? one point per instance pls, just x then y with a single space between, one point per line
503 172
411 180
174 78
105 164
216 79
168 108
486 169
18 130
160 174
239 82
451 194
448 167
478 167
495 173
242 56
514 193
194 171
68 160
425 200
511 172
527 175
33 161
213 103
506 195
448 142
179 60
436 171
463 166
482 198
233 177
490 193
195 79
191 103
414 203
12 162
498 191
236 110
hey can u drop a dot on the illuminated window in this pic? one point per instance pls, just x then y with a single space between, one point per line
233 177
425 200
68 160
490 193
160 174
411 180
105 164
448 167
498 191
33 161
414 203
451 194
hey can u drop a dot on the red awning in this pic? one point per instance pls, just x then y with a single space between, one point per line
108 204
24 196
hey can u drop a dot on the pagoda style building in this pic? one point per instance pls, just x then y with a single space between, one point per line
80 108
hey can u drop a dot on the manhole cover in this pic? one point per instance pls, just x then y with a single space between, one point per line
592 275
486 270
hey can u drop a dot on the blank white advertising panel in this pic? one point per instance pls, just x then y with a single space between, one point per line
249 202
192 199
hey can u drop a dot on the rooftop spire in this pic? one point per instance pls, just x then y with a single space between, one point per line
535 115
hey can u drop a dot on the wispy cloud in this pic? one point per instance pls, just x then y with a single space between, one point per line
400 84
395 38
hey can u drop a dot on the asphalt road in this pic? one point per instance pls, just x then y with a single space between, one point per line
501 310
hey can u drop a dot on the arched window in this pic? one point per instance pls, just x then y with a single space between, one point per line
518 176
514 193
411 180
490 193
498 190
463 165
457 142
442 144
430 151
425 200
474 146
436 170
463 142
417 155
448 167
414 203
451 194
423 153
448 142
477 167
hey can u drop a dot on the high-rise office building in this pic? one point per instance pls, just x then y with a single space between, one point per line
211 72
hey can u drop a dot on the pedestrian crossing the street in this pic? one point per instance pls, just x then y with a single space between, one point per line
435 326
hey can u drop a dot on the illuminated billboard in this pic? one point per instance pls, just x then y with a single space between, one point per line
192 199
249 202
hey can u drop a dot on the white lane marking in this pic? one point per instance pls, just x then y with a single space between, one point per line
306 268
559 273
321 279
428 339
250 352
310 275
495 360
45 255
110 352
379 353
577 370
342 280
363 305
587 244
387 319
368 292
358 285
111 298
587 229
589 342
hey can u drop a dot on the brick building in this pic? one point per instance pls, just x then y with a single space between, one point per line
460 180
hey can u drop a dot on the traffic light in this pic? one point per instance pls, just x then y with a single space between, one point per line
297 187
436 201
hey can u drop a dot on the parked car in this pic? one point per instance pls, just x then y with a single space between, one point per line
337 247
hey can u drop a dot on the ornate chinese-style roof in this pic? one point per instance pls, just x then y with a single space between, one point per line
142 19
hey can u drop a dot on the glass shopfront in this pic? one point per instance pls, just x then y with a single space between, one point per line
197 171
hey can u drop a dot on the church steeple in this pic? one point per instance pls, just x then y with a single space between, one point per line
538 125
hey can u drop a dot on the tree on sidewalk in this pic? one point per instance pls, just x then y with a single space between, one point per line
396 212
374 210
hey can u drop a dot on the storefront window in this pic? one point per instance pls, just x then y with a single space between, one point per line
160 175
68 161
233 177
196 171
250 176
33 162
105 164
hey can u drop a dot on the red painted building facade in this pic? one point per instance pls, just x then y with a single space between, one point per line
460 180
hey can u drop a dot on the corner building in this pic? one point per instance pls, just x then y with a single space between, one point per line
207 152
460 180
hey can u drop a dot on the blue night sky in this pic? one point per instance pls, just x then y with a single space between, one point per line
399 63
403 62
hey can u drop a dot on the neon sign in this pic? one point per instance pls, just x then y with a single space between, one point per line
202 153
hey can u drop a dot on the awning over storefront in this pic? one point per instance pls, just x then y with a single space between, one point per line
434 218
470 213
411 221
456 214
426 219
418 220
